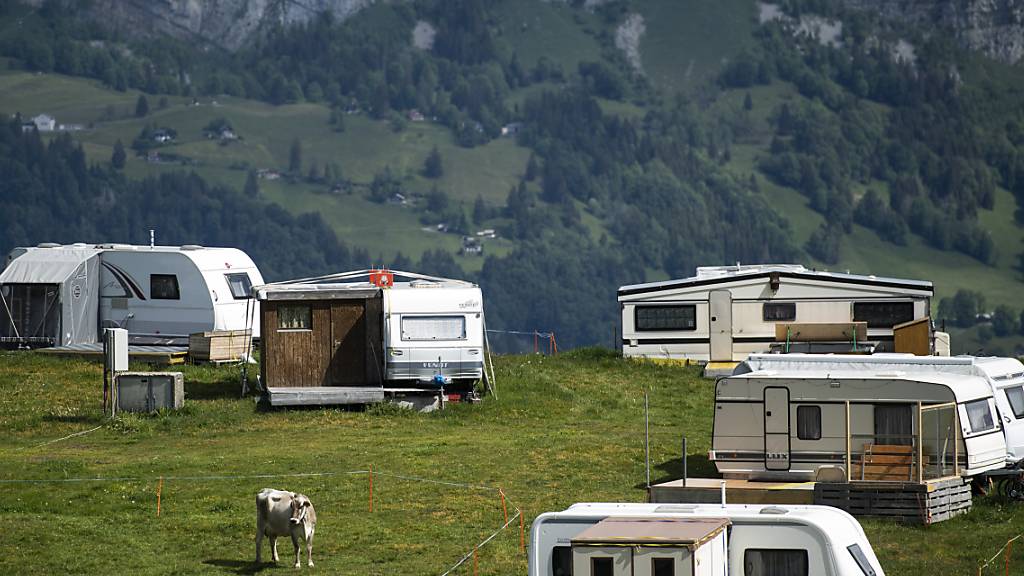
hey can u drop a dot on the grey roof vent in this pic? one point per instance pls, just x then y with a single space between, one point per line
48 245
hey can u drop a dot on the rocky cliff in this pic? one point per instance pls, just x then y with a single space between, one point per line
224 23
993 27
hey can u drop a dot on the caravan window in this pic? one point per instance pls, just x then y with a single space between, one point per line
164 287
433 328
1015 396
295 317
601 566
561 561
774 562
240 285
980 415
665 318
778 311
663 567
883 314
808 422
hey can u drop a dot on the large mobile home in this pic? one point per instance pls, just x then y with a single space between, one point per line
55 295
724 314
796 416
332 331
612 539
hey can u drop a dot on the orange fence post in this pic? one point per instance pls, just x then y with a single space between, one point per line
159 489
371 488
504 509
1009 548
522 534
474 562
536 347
554 342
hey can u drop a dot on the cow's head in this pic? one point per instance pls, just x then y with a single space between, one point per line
300 505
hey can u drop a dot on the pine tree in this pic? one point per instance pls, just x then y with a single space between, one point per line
531 169
295 158
141 106
252 185
479 210
432 166
118 158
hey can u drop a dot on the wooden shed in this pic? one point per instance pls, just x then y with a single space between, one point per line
321 335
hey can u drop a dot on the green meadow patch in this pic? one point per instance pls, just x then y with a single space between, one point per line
562 429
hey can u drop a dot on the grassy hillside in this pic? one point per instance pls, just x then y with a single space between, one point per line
563 430
365 148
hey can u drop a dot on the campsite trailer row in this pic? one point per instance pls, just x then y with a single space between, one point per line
699 539
795 416
331 331
57 295
724 314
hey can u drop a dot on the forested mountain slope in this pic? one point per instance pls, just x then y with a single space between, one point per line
605 142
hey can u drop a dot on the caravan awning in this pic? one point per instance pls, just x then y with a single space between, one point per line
300 291
49 266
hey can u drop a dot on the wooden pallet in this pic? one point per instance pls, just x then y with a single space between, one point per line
219 345
920 503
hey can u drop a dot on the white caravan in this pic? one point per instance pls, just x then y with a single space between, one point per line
62 295
699 540
790 416
725 313
434 328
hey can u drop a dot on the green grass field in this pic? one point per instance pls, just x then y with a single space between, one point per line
562 430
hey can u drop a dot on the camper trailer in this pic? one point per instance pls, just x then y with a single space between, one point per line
849 417
336 331
724 314
56 295
699 540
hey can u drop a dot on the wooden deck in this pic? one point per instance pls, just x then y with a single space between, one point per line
919 503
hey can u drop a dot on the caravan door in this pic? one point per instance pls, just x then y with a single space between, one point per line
721 326
776 428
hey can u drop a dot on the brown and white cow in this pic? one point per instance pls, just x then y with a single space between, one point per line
282 513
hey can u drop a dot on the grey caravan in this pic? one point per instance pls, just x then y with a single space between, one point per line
798 416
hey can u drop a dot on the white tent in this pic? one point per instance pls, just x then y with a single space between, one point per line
49 297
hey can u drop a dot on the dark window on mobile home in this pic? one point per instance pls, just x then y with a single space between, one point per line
774 562
883 314
665 318
561 561
779 311
663 567
808 422
164 287
601 566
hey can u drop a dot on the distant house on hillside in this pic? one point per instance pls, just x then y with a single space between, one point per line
42 123
471 246
416 116
511 129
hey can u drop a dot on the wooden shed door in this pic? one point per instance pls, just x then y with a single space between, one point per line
348 338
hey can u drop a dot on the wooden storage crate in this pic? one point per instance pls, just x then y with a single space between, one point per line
219 345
